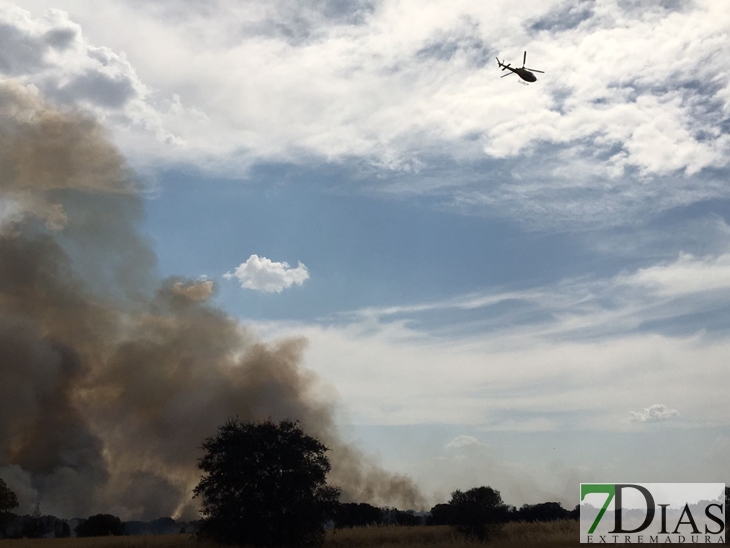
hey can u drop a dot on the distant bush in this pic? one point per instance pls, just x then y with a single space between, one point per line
353 514
542 512
408 518
100 525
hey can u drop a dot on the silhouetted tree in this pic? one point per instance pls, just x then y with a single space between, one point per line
100 525
8 502
544 511
478 512
61 529
408 518
265 485
36 526
352 514
441 514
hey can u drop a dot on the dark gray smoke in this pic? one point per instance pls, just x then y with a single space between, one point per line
109 378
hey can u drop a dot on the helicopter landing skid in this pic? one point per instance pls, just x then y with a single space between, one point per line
523 83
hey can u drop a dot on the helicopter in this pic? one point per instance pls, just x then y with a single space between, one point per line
522 72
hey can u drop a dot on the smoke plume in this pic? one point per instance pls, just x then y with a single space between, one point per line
109 377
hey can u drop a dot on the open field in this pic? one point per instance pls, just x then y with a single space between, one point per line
549 535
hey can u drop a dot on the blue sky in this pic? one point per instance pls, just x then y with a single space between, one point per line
361 249
521 286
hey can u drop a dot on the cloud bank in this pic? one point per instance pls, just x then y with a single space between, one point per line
630 118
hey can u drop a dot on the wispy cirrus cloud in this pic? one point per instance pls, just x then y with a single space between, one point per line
531 360
662 293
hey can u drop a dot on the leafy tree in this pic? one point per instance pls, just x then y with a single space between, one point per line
441 514
264 484
100 525
8 501
478 512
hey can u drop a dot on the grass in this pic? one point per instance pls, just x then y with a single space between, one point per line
547 535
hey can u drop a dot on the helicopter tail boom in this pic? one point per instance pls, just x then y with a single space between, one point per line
501 65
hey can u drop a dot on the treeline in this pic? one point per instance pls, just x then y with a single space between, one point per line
446 514
346 515
100 525
361 514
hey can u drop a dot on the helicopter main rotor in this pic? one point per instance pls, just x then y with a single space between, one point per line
524 60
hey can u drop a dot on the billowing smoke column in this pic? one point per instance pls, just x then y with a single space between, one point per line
109 378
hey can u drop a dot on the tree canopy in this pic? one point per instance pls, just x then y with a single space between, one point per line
264 484
100 525
478 512
8 500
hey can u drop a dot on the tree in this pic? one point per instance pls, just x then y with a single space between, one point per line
100 525
8 502
35 526
264 484
441 514
478 512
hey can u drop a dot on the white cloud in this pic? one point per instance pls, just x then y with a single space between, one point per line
464 441
262 274
685 276
631 86
654 413
51 53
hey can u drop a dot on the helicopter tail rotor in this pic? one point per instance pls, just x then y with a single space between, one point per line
524 60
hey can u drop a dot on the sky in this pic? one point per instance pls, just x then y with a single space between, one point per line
522 286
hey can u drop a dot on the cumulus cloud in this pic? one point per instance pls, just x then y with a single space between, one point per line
51 53
654 413
464 441
262 274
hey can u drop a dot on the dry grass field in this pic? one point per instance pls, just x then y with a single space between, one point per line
548 535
